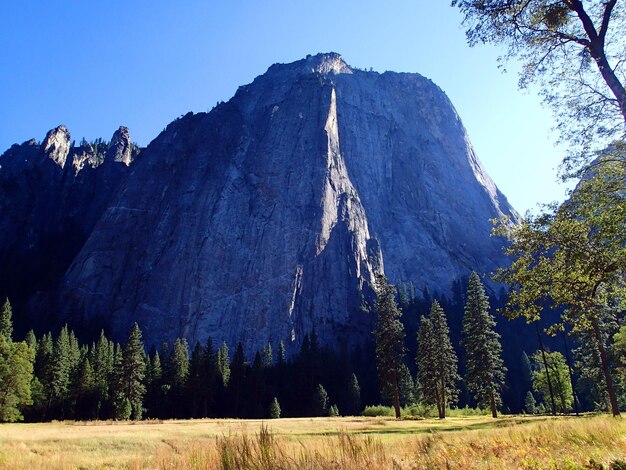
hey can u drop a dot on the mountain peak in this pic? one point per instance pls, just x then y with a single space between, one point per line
327 62
323 63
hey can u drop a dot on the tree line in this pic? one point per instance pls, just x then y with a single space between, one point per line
551 380
57 377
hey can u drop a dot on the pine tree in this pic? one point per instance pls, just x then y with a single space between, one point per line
275 409
406 386
530 403
256 386
485 373
6 321
154 394
178 372
268 355
103 374
436 361
425 360
223 364
16 370
212 382
282 355
389 336
355 395
238 372
197 375
31 340
133 372
320 401
59 384
86 392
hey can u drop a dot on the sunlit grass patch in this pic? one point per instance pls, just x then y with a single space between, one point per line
318 443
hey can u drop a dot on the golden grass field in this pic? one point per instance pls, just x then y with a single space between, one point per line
319 443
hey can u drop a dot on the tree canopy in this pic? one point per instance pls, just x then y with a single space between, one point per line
575 51
573 256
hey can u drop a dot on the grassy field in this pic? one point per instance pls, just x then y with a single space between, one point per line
325 443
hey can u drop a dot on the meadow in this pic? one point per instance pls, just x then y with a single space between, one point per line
527 442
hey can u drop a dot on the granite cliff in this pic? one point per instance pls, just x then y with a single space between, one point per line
51 196
270 215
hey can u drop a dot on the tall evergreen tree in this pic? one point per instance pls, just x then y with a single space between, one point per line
530 404
282 355
16 370
223 364
59 384
355 396
320 401
31 340
212 382
103 373
238 372
436 361
176 375
178 369
275 409
389 336
267 355
154 383
6 321
485 369
406 386
133 372
86 392
197 374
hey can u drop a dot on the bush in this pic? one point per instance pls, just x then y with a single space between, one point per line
378 410
419 410
467 411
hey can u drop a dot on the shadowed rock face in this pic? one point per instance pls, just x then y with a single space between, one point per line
51 196
271 215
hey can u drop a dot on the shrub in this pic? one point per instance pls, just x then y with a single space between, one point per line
378 410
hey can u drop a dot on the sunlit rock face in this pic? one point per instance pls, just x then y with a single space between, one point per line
270 216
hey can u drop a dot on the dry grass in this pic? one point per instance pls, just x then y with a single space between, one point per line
317 443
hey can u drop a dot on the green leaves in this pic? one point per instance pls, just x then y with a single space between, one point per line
574 51
573 255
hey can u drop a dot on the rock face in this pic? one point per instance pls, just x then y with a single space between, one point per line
51 196
270 215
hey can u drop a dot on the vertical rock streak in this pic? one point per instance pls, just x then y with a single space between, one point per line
341 202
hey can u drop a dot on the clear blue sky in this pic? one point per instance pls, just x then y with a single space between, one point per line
95 65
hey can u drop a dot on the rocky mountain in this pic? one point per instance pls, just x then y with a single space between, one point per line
51 196
271 215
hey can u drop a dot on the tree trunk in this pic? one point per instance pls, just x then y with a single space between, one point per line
596 48
396 395
545 364
571 374
442 401
492 403
605 368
